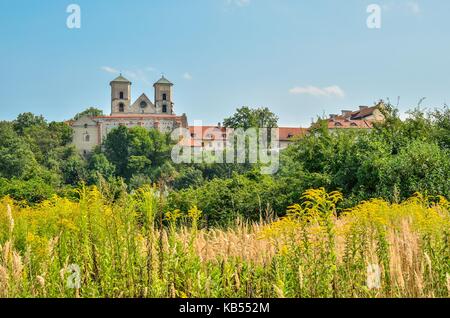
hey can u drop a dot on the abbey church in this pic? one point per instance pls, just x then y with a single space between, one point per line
91 131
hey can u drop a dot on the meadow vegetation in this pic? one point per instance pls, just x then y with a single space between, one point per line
132 248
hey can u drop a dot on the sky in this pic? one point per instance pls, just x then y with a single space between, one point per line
300 58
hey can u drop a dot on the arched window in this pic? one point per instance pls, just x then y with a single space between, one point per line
121 108
164 96
87 138
121 95
85 126
164 108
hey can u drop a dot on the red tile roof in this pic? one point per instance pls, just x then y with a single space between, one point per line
288 133
219 133
137 116
338 123
363 112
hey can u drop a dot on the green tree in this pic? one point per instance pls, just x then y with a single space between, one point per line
74 170
91 112
419 167
32 191
137 150
16 157
188 177
441 121
27 120
62 132
223 200
117 149
246 118
99 168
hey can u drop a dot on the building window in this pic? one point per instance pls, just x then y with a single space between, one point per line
85 126
121 95
87 138
164 96
164 108
121 107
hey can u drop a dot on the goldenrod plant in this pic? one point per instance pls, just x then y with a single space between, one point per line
131 247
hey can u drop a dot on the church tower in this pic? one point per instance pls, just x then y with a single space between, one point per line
120 95
163 96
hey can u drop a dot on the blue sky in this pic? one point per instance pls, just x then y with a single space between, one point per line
300 58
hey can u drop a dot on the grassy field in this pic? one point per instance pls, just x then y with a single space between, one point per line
93 248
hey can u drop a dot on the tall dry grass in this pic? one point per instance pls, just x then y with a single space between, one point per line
129 248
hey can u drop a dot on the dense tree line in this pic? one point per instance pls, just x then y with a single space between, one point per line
393 160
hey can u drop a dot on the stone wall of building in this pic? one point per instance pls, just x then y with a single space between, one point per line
86 134
90 132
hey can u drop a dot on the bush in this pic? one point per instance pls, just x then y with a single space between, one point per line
419 167
31 191
223 200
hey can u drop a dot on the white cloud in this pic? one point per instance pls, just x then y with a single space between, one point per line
187 76
109 69
317 91
239 3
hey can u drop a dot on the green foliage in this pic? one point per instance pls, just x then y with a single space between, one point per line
99 168
32 191
36 156
246 118
116 149
61 132
188 177
16 159
419 167
90 112
223 200
28 120
394 160
137 151
441 131
74 170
